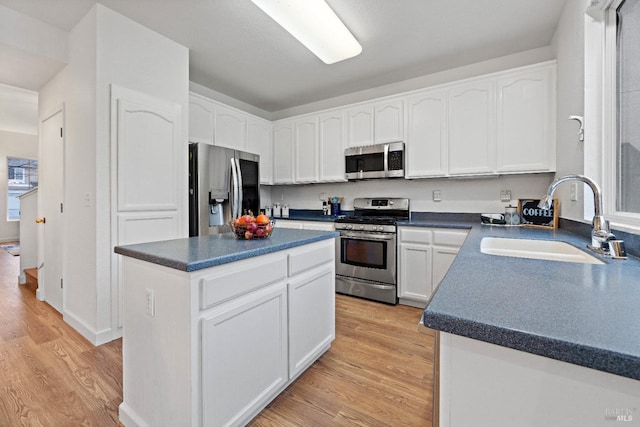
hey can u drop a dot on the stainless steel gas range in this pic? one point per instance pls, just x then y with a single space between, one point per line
366 249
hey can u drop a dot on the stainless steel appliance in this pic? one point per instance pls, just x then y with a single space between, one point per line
366 249
375 161
223 184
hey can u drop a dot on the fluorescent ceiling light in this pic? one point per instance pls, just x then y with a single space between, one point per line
315 25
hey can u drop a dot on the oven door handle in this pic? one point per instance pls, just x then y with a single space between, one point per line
368 236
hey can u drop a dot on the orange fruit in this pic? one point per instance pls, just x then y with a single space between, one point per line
246 219
262 219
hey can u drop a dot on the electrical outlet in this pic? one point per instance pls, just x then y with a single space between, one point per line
87 200
573 190
150 300
437 195
505 196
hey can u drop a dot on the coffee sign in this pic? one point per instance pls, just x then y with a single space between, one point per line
531 215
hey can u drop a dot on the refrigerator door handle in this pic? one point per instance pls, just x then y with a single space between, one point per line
240 190
234 190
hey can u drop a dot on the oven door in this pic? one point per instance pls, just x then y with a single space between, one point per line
367 256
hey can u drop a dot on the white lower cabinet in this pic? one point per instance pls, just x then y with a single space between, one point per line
306 225
311 324
424 257
224 341
244 339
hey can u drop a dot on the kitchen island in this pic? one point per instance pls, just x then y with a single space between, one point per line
530 342
215 328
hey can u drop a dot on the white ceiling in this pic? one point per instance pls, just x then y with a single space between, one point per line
237 50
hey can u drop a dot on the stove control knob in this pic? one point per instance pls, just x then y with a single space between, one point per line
390 202
349 227
379 228
362 227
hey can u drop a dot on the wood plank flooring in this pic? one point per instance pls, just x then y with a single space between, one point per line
49 374
378 371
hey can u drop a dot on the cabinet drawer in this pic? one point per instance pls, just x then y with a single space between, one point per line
312 256
449 237
416 234
249 275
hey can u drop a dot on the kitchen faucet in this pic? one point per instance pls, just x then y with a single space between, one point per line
600 234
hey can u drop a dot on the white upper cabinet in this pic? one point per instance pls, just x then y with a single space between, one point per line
526 120
388 121
376 123
230 128
259 141
360 125
306 150
426 144
201 119
472 128
331 146
283 153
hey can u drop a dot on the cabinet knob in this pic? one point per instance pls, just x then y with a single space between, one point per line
41 220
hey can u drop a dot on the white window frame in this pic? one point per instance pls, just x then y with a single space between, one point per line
600 110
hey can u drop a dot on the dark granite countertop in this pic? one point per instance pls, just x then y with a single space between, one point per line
196 253
584 314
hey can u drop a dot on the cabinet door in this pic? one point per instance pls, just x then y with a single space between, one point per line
360 125
427 135
331 147
201 119
388 121
311 316
442 259
244 342
259 134
283 153
415 272
525 121
306 150
230 129
472 128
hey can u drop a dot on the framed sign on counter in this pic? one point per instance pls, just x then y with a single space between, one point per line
532 216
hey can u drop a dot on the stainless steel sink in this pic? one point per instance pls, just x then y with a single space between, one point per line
551 250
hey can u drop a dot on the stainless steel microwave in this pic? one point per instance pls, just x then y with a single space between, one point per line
375 161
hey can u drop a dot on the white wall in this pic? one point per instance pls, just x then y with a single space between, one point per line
568 48
474 195
12 144
104 48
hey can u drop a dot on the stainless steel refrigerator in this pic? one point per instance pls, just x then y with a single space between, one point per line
223 184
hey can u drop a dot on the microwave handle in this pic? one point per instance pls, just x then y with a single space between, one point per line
386 159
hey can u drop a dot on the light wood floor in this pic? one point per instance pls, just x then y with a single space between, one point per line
378 371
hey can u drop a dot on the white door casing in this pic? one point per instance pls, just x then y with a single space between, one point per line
51 208
147 163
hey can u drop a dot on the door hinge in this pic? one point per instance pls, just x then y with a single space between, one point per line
61 283
61 208
60 132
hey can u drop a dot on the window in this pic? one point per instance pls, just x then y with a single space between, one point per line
628 107
22 177
612 98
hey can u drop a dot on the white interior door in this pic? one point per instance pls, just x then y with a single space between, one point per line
51 195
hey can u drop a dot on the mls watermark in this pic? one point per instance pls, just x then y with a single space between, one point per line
620 414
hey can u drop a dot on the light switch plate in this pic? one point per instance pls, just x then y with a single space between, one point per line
437 195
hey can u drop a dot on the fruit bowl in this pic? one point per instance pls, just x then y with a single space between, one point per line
252 230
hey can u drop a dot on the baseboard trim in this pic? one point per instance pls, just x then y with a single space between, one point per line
129 418
95 337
